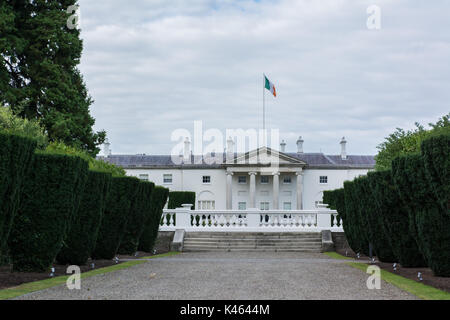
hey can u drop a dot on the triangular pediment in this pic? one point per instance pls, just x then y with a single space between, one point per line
266 156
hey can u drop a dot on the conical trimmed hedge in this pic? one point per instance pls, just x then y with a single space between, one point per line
395 219
140 212
370 217
351 222
122 194
83 233
433 223
15 158
178 198
47 204
150 232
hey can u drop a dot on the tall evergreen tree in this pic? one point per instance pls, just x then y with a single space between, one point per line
39 77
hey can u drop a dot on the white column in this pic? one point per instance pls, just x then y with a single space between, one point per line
229 190
299 190
276 189
252 190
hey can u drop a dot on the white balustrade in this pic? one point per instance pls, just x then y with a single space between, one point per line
250 220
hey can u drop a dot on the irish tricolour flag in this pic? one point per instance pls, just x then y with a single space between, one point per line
269 86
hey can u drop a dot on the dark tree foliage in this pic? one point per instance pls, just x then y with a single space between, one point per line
47 204
395 219
409 176
83 233
329 198
141 211
122 194
372 222
178 198
39 77
351 223
150 232
15 158
433 223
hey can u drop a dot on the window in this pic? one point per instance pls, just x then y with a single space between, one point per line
242 206
143 177
264 206
287 179
242 179
206 179
167 178
264 179
287 206
206 205
323 179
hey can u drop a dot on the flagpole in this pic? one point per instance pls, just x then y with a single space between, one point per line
264 111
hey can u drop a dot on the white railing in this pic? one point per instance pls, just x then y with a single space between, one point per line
249 220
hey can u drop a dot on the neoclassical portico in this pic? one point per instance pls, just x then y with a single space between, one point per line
265 162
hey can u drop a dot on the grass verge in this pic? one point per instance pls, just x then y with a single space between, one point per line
418 289
29 287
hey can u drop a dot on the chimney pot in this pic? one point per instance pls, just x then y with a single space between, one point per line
187 151
343 149
300 145
283 146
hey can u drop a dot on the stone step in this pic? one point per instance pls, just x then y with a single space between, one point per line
314 236
251 250
252 240
210 245
255 243
252 234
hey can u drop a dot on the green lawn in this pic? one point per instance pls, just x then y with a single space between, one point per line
52 282
416 288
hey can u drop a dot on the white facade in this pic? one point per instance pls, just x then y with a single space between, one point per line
289 182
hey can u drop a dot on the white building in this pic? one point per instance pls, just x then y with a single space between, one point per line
265 179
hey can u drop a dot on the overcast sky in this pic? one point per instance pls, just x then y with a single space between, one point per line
153 66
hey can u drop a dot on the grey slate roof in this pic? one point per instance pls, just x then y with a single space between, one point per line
313 160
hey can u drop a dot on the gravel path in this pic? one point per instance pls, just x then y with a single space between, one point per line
230 275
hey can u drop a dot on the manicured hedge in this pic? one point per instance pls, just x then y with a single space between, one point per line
150 232
395 219
330 199
83 234
47 204
372 223
15 158
122 194
351 223
140 212
178 198
433 223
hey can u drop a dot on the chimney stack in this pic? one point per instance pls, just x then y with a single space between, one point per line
106 148
300 145
187 151
343 149
230 149
283 146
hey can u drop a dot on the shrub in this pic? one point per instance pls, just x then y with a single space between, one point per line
150 232
433 222
15 158
351 221
395 219
178 198
141 211
83 234
47 203
372 223
409 176
329 198
339 201
122 194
